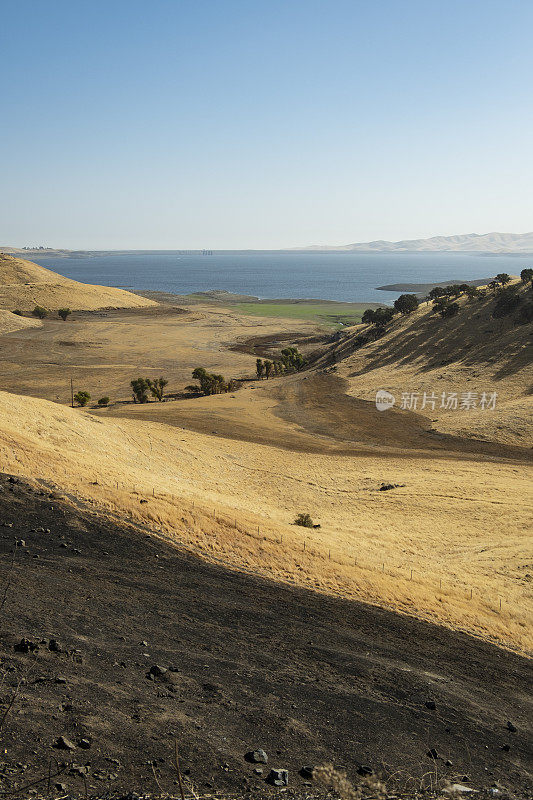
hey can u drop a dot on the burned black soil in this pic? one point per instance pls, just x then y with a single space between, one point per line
245 664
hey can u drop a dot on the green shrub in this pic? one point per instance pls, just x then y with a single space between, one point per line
104 401
64 313
40 312
82 398
304 520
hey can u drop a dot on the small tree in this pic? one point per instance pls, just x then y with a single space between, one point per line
268 368
259 368
503 278
64 313
436 292
40 312
525 276
406 304
139 388
104 401
82 398
368 316
157 387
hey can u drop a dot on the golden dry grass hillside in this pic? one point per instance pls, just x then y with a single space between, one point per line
461 524
24 285
471 352
226 475
9 322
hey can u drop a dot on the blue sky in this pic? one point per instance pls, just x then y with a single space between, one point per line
243 123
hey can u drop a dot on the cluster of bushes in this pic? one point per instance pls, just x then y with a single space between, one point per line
82 398
210 383
291 361
140 388
508 298
41 312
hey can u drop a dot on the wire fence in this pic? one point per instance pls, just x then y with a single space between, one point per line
316 550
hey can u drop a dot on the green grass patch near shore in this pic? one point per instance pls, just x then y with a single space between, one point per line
322 312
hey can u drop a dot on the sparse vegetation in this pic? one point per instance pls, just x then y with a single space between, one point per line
82 398
40 312
64 313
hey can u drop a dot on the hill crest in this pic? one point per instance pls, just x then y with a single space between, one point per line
24 285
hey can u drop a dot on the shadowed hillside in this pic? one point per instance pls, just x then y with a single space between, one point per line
472 351
135 643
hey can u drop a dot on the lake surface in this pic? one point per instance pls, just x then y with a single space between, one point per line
350 277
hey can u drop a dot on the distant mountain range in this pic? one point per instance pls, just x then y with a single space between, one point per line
490 243
466 243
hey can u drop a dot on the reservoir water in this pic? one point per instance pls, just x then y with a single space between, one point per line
350 277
